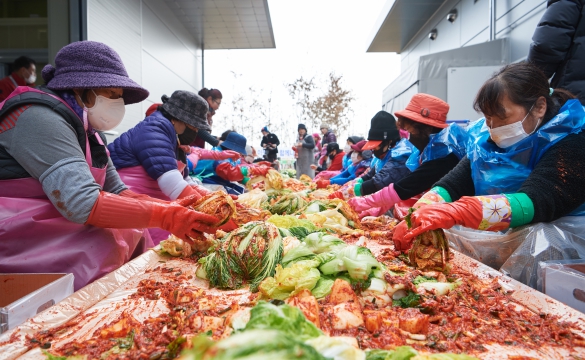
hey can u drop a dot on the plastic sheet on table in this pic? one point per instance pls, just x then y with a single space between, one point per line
74 305
490 248
102 300
518 251
562 239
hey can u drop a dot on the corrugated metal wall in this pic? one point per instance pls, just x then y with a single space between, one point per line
156 49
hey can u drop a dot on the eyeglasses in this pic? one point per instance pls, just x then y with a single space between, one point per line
218 102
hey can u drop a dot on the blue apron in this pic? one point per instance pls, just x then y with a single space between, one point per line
400 152
346 162
499 171
451 139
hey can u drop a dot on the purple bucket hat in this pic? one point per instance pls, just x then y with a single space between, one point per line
91 65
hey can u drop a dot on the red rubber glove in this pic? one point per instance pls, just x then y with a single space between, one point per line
467 211
229 226
118 212
229 172
258 170
131 194
336 195
264 163
201 190
322 184
193 190
189 191
400 243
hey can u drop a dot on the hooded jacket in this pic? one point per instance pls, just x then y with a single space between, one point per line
152 143
558 45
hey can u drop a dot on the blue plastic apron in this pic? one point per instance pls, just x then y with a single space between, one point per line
451 139
497 171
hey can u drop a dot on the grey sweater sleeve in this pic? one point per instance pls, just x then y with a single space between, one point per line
113 183
46 146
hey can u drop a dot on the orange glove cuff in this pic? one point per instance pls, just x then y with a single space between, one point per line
118 212
469 211
131 194
188 191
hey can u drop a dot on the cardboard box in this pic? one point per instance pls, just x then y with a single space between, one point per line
22 296
564 280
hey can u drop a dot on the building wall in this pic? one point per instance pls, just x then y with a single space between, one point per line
157 51
516 19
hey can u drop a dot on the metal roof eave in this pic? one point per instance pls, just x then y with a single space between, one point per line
399 22
226 24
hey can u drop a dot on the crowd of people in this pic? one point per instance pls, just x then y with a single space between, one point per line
73 203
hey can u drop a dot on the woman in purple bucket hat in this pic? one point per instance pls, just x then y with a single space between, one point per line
63 207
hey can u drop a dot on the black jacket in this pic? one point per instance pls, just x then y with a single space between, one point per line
270 139
558 45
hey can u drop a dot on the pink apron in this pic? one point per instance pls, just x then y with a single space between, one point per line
35 237
138 180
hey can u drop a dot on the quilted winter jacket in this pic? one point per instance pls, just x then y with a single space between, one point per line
558 45
152 143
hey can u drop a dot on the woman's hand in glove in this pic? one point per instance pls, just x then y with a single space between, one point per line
375 211
131 194
118 212
322 184
467 211
230 154
258 170
183 222
216 155
377 203
263 163
400 243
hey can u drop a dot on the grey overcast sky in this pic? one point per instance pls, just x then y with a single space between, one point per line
313 38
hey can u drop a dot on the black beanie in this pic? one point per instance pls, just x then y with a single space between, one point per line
331 147
383 127
302 126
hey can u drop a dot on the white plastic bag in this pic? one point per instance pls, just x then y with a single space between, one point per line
490 248
517 252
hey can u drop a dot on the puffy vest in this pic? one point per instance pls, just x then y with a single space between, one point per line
23 95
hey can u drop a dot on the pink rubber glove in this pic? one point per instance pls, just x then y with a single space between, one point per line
216 155
376 211
325 175
383 200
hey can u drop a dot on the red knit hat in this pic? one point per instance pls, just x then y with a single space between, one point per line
359 146
426 109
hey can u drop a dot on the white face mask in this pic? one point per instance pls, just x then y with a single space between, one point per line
106 113
354 157
31 79
346 149
508 135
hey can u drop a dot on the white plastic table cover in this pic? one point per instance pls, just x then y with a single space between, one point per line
103 300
